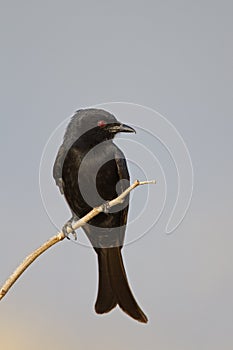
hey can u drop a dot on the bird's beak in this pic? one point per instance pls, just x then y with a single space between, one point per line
121 128
126 128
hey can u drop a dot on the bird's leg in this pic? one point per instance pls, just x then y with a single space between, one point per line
69 224
106 207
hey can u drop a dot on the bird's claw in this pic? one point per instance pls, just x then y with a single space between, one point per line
69 225
106 207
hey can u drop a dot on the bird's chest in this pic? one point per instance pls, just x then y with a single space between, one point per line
91 177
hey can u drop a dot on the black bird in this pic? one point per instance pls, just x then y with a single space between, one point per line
90 170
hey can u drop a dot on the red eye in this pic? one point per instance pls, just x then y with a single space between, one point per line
101 123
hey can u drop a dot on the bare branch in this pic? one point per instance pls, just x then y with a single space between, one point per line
60 236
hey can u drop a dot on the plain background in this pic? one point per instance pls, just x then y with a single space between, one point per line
172 56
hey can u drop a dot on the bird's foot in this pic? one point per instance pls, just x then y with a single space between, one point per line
69 225
106 207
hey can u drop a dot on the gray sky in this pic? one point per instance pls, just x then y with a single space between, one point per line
174 57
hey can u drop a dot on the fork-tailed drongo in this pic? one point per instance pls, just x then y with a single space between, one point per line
89 170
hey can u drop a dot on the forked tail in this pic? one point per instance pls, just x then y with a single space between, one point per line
113 285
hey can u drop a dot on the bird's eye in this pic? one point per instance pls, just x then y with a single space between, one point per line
101 123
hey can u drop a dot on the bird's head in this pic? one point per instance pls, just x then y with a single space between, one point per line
110 126
95 125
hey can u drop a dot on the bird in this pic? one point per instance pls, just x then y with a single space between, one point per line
90 169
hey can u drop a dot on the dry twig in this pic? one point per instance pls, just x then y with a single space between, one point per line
60 236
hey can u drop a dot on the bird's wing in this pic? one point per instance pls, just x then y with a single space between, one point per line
57 168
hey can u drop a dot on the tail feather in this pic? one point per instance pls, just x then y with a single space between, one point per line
113 285
106 300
